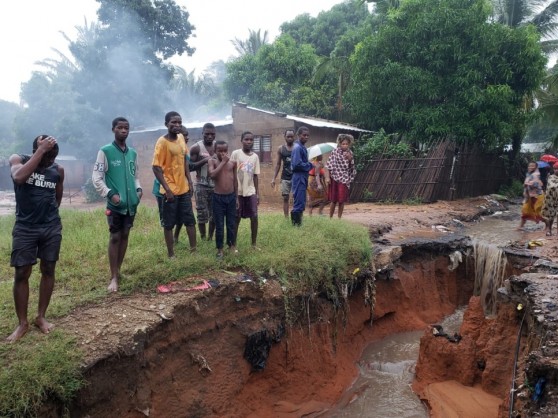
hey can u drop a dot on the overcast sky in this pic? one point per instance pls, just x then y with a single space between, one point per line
29 29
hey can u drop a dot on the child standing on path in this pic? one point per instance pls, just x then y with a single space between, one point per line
115 177
342 172
223 172
248 169
170 170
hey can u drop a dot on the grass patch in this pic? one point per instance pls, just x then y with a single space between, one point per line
316 257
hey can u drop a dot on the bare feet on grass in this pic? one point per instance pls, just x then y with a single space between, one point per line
43 325
113 285
19 332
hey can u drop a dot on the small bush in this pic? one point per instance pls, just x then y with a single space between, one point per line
515 189
91 195
378 145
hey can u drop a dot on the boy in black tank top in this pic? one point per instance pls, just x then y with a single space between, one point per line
38 186
284 159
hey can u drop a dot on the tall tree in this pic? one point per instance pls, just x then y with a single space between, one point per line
251 45
279 77
543 14
323 31
437 69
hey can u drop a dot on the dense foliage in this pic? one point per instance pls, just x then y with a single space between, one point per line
437 69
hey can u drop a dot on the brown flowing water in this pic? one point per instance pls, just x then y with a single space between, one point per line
386 370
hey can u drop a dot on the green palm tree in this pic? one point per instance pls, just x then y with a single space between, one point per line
543 14
251 45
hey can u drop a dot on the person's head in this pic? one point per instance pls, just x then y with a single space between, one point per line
289 136
318 159
303 134
532 167
247 140
173 121
208 133
184 133
221 149
49 157
121 128
344 141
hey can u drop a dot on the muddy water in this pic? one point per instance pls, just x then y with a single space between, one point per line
386 370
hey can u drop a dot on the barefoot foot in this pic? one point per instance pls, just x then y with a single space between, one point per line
113 285
43 325
19 332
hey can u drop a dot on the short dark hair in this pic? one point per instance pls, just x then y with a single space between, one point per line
302 129
221 142
43 136
170 115
119 119
208 125
288 130
244 134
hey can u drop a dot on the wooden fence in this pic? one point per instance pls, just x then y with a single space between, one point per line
447 172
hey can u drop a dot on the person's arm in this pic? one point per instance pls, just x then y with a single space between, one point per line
21 172
277 166
317 168
255 178
196 159
158 171
214 169
235 182
137 183
60 186
188 178
299 166
98 177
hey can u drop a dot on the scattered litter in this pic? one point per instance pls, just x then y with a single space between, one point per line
458 222
441 228
257 349
539 389
534 243
179 287
455 259
438 331
245 278
200 360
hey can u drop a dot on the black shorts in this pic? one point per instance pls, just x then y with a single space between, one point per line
178 212
117 222
30 243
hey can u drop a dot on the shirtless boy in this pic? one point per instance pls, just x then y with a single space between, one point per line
223 172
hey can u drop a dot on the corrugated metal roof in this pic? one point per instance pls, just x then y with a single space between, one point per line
316 122
188 125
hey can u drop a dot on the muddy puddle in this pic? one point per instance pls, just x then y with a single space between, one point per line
386 371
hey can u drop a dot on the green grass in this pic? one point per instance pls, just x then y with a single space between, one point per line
317 257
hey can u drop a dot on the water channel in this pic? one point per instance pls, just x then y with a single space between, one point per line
386 367
386 370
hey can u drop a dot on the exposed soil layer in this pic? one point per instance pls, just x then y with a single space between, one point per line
183 354
194 364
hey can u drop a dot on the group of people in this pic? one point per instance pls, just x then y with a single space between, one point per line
322 184
225 187
540 197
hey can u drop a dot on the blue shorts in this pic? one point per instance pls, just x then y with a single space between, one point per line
30 243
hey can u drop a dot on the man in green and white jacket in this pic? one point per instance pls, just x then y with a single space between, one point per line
115 177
